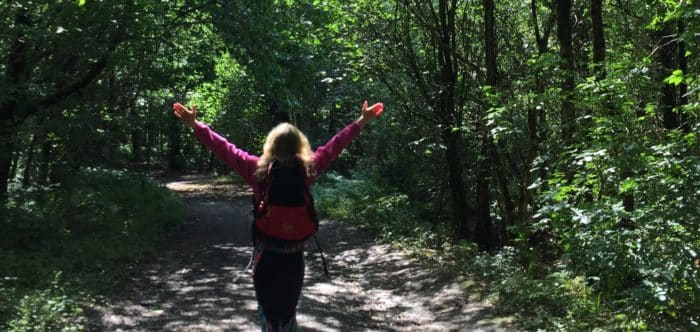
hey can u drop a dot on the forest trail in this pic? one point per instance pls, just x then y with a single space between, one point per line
191 284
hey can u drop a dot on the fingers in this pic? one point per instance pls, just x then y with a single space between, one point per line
181 109
194 110
376 109
364 106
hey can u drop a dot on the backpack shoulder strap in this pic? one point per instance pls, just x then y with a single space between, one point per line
265 186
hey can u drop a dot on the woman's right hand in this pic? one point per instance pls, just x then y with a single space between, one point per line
186 116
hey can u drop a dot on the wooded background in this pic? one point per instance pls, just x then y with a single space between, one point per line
552 146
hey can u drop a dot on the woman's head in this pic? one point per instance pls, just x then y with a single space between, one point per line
288 146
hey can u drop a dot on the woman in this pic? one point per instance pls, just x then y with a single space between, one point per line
289 165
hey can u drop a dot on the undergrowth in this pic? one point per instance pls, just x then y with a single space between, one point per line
540 295
61 246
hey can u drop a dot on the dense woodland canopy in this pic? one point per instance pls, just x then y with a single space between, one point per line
549 147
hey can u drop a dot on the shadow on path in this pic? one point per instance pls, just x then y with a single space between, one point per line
197 282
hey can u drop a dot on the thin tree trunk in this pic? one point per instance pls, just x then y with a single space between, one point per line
483 199
598 38
568 116
45 164
490 43
669 97
13 165
29 162
150 141
526 199
174 146
683 87
462 212
483 194
136 136
440 94
14 72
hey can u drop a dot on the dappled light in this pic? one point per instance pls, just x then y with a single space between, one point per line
475 165
197 280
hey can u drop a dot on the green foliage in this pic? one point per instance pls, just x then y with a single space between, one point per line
603 228
86 231
50 309
363 203
393 217
637 259
558 300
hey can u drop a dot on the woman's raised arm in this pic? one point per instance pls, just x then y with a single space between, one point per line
326 154
237 159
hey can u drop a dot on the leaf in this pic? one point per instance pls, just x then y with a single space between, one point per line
676 78
627 185
81 3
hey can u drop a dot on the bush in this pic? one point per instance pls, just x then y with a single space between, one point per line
362 202
640 261
50 309
558 300
394 217
86 230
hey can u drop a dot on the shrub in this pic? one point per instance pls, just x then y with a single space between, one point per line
86 230
49 309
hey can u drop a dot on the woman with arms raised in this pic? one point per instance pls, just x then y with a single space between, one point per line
284 213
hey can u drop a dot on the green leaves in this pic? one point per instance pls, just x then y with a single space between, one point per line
628 185
676 78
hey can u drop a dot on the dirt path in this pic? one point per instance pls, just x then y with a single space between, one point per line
191 285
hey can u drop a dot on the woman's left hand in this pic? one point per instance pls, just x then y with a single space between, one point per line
370 113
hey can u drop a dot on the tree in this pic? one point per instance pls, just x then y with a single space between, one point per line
568 113
598 35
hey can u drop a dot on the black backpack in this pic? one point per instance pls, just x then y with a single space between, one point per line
284 213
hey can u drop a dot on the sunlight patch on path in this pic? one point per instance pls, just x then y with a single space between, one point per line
197 283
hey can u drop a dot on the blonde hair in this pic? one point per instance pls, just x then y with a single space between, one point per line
288 146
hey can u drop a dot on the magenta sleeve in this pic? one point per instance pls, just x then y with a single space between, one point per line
237 159
324 155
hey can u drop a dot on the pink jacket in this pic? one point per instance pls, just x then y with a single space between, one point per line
245 164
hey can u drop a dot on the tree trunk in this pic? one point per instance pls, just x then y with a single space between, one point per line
29 162
666 55
137 131
14 73
440 93
483 194
462 212
6 150
136 146
568 116
447 66
598 38
525 199
45 164
137 135
14 164
683 87
174 146
150 141
490 43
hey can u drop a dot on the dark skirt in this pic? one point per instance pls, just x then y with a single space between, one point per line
278 278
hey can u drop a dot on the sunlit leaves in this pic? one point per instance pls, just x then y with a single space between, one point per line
676 78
